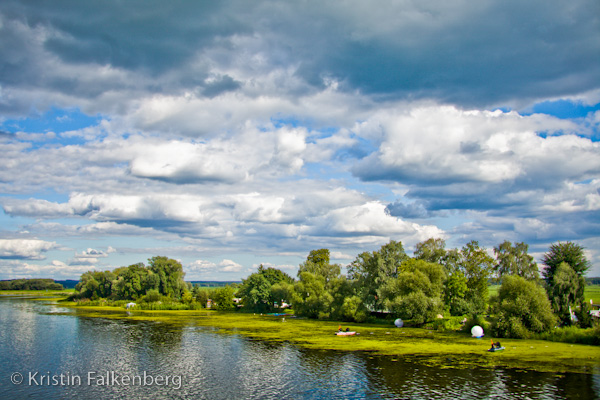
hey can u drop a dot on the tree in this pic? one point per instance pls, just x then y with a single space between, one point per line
311 297
317 263
477 265
523 308
318 281
431 250
170 276
131 282
566 291
569 253
566 265
416 292
201 295
514 260
262 289
223 298
255 293
373 270
455 290
95 285
30 284
282 292
455 287
274 275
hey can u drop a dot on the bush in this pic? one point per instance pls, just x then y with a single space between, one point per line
152 296
523 309
572 334
160 306
352 310
583 315
447 324
459 307
476 319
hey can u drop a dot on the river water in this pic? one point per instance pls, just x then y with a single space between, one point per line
45 354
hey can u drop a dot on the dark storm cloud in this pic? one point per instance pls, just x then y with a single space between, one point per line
468 54
463 53
152 36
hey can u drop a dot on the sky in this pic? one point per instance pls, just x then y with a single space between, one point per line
231 134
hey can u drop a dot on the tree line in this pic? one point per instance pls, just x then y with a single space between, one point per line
30 284
434 281
163 277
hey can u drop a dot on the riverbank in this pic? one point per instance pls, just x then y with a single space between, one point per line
434 348
442 349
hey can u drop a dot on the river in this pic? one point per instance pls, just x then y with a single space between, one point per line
46 354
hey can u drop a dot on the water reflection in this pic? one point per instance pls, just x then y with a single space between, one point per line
221 366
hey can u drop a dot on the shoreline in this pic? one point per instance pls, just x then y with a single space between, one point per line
448 349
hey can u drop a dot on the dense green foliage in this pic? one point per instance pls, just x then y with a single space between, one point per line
568 252
371 272
514 260
565 266
383 283
265 289
416 292
162 277
522 309
30 284
566 289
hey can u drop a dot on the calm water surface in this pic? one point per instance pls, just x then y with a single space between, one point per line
67 356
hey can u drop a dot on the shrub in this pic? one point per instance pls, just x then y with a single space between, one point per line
523 309
447 324
152 296
476 319
352 310
572 334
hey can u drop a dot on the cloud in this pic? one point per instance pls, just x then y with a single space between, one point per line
473 56
274 128
15 269
25 249
444 145
203 269
478 159
409 210
287 268
89 256
183 162
370 219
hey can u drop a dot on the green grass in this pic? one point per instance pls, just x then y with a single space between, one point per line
493 290
38 293
592 292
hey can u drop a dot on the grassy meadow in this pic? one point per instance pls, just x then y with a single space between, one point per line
592 292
